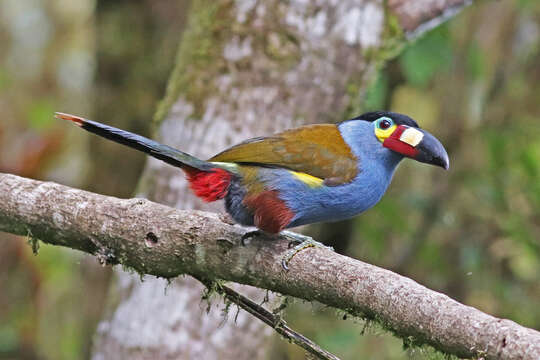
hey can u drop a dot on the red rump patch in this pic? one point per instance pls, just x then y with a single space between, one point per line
209 185
271 214
394 143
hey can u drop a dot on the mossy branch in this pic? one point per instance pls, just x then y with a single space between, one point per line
273 320
162 241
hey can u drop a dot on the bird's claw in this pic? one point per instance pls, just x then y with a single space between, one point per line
293 243
249 235
294 238
297 244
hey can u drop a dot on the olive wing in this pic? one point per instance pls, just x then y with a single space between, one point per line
317 150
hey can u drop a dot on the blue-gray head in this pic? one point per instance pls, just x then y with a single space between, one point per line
391 136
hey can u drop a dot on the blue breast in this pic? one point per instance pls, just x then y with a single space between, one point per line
331 203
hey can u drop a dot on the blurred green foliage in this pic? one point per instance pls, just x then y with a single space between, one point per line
4 79
39 114
377 93
428 56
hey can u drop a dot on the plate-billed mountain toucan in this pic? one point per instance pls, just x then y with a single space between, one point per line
310 174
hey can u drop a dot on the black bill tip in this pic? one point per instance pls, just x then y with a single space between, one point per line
442 161
431 151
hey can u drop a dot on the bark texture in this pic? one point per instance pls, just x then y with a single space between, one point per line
247 68
415 17
166 242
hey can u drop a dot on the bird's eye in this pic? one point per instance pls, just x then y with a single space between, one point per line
384 123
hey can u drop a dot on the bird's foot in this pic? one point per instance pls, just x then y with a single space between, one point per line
298 243
251 234
295 238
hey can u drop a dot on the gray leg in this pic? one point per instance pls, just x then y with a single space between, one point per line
298 243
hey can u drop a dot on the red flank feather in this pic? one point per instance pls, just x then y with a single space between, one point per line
271 214
209 185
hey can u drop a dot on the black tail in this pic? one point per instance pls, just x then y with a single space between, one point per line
159 151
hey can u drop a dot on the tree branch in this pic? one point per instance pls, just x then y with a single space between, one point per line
419 16
162 241
270 319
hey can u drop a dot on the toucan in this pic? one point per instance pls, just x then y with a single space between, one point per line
314 173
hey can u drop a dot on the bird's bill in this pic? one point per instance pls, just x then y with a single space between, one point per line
418 144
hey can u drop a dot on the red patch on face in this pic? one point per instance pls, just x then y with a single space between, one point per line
270 212
209 185
394 143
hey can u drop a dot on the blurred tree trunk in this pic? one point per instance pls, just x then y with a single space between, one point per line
246 68
136 42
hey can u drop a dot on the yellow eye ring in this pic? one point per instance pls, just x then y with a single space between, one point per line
384 127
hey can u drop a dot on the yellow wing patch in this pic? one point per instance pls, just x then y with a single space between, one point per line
307 179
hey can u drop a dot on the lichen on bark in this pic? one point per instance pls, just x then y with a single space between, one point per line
198 57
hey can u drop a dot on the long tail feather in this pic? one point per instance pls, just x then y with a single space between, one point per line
159 151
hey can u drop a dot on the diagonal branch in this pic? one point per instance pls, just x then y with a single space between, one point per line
270 319
162 241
